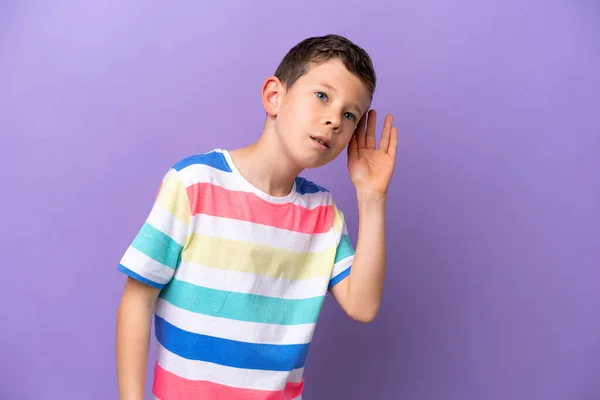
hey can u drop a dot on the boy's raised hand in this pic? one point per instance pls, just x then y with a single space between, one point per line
370 167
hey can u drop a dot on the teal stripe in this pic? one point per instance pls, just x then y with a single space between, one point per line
157 245
242 306
344 249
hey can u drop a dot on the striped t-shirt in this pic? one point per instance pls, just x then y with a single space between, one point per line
243 276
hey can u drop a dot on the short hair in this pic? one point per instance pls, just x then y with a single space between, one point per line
320 49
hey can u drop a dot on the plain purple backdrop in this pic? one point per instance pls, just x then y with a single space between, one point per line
493 284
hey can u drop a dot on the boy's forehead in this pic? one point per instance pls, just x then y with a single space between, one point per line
331 70
334 75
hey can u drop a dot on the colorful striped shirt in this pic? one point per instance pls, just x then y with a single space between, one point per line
243 276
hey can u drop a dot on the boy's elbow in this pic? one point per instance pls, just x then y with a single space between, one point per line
364 314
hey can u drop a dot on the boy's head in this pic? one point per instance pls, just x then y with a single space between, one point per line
319 92
320 49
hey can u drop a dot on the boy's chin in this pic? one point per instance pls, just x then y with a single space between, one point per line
309 159
315 162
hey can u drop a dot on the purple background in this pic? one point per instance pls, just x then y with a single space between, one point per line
493 289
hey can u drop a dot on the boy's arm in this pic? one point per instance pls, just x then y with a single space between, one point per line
149 262
134 318
359 295
371 170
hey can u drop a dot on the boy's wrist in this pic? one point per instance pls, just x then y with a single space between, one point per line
371 201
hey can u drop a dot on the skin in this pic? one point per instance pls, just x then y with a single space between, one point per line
330 102
134 318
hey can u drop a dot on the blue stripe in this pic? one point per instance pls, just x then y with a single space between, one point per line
339 277
157 245
344 249
304 186
213 159
193 346
138 277
242 306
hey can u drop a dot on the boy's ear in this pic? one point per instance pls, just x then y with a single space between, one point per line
272 92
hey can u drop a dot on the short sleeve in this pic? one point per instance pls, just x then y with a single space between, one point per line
344 254
156 249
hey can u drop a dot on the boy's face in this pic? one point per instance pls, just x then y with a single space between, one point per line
316 117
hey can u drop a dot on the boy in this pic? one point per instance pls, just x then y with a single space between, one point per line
238 251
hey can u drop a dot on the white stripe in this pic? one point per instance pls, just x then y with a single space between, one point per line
168 224
226 228
236 377
145 266
342 265
246 282
200 173
241 331
344 229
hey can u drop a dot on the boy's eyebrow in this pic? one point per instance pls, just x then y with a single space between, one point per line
329 86
356 107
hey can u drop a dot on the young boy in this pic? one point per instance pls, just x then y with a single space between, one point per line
238 252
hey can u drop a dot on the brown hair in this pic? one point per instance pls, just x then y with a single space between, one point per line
320 49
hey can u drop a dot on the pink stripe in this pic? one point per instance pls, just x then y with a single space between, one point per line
158 191
209 199
168 386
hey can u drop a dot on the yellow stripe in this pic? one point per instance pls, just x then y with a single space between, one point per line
338 220
173 198
257 259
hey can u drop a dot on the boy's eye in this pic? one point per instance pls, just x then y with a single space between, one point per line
349 116
321 96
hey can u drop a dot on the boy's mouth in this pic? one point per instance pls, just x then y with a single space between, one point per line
322 141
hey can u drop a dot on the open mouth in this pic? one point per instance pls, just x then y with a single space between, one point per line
321 141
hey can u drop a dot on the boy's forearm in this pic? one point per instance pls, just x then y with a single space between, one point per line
366 280
134 319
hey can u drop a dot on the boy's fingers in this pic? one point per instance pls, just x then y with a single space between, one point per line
370 140
385 135
359 132
393 142
353 148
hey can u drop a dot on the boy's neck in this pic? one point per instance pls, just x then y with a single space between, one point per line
264 164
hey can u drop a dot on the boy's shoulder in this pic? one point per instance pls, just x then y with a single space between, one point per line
305 186
216 158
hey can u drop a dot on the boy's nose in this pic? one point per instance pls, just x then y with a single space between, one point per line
333 123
